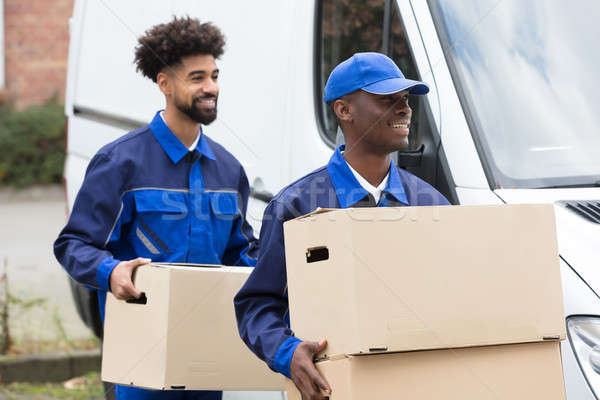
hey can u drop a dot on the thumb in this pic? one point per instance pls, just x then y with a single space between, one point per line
320 346
139 261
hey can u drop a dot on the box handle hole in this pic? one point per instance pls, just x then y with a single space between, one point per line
141 300
315 254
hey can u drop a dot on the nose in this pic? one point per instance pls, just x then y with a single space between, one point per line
211 87
402 108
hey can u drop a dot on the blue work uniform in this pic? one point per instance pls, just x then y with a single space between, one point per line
261 305
147 195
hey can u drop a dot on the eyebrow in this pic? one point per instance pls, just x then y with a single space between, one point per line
202 72
393 95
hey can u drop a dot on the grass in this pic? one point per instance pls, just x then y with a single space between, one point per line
86 387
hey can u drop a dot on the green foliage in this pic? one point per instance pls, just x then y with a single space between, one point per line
32 145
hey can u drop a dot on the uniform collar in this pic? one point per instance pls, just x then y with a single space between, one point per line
350 192
172 145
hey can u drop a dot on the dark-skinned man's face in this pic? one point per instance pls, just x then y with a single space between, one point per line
380 122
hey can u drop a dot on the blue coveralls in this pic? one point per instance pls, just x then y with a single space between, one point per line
261 305
147 195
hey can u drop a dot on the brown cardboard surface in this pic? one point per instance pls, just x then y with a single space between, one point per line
416 278
185 336
505 372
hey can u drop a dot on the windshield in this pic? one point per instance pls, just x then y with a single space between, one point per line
528 74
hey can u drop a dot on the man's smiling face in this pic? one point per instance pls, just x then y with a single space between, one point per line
196 88
380 122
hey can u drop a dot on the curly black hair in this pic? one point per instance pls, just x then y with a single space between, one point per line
165 45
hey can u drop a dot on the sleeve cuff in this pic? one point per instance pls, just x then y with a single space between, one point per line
105 268
283 358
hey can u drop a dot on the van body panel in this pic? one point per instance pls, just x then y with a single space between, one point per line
83 144
75 167
459 147
578 238
468 196
75 26
306 149
106 79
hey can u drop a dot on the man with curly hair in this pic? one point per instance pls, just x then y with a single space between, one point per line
166 191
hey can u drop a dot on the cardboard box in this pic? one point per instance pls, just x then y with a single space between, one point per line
417 278
506 372
185 336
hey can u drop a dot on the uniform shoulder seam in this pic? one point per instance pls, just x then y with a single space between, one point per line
283 191
217 147
110 147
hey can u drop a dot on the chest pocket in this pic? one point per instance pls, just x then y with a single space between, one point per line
224 207
161 220
224 204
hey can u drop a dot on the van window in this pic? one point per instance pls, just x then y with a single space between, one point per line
350 26
528 83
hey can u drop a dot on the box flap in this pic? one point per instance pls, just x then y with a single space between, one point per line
185 265
318 211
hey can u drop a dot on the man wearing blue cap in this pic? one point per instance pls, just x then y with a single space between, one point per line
369 96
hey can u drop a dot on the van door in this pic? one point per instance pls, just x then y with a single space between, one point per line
343 28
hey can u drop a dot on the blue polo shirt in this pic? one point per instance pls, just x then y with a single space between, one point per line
261 305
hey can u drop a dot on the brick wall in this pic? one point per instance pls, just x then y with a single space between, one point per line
36 34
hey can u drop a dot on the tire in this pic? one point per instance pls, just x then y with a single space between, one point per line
86 303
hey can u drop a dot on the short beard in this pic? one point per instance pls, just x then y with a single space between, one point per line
196 114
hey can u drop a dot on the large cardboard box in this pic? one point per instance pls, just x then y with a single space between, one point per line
506 372
185 336
417 278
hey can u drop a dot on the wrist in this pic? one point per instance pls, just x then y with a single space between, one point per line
283 358
104 270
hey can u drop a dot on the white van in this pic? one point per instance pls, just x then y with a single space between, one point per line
512 116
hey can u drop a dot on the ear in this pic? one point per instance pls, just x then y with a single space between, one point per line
342 110
165 83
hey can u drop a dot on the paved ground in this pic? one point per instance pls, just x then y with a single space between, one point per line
31 220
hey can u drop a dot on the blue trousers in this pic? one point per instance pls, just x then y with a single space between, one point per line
133 393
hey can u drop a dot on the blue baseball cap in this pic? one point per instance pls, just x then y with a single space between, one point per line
372 72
